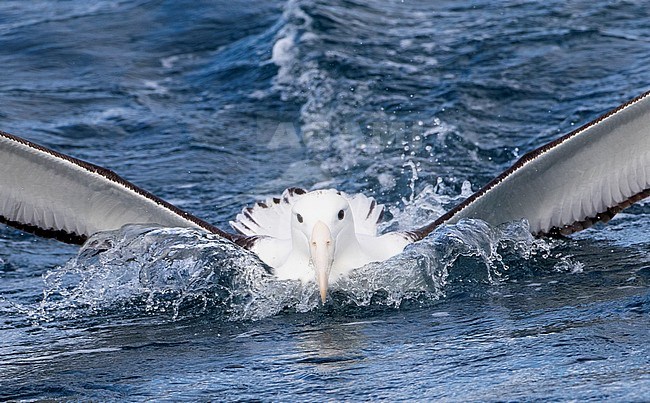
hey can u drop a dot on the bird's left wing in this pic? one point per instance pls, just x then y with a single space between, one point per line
57 196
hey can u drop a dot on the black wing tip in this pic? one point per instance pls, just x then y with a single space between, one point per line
59 235
240 233
248 213
296 191
290 193
381 215
588 222
373 203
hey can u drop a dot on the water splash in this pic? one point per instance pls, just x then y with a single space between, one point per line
184 272
154 270
424 206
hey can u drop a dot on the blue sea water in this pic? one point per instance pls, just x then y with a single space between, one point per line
214 105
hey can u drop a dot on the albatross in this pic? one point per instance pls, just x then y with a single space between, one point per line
319 235
567 185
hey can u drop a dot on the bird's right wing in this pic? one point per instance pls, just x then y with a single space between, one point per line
57 196
583 177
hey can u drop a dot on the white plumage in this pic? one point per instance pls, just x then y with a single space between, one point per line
319 235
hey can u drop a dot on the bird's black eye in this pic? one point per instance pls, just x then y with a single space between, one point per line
341 214
299 217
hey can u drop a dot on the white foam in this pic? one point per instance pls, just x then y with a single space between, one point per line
169 62
283 51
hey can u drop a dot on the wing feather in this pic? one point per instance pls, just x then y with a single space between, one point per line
54 195
271 217
608 158
366 212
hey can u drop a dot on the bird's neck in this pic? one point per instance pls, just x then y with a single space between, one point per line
349 254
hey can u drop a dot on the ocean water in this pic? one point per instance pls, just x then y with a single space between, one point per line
215 105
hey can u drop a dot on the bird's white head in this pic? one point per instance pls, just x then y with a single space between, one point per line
322 226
